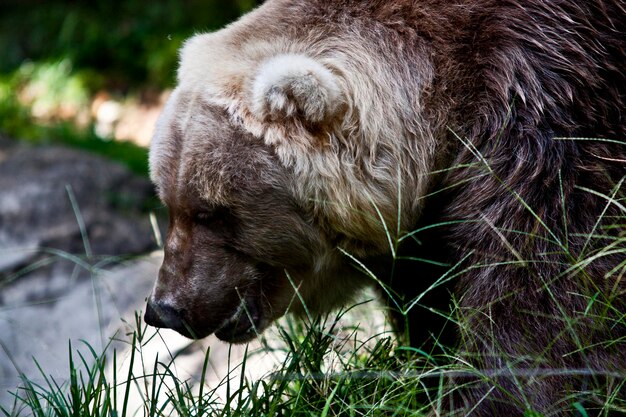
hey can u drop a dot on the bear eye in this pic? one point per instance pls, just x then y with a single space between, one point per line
214 217
204 216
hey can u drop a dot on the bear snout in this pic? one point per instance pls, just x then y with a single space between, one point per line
163 316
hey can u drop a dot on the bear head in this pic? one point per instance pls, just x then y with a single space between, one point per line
280 162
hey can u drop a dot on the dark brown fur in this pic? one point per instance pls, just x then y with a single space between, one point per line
527 100
521 82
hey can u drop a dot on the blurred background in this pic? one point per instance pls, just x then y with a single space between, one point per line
84 73
81 86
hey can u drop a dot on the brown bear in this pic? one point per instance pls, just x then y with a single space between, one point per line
468 152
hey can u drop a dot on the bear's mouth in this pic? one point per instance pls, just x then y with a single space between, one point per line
245 324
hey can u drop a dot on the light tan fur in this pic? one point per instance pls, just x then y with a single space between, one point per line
351 169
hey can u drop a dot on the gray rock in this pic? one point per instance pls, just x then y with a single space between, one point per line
67 217
89 312
46 194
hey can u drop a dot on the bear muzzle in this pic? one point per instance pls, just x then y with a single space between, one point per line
243 325
163 316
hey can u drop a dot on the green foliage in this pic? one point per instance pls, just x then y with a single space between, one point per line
323 374
326 372
369 379
49 87
122 42
56 55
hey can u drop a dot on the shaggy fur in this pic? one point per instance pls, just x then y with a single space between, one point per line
312 126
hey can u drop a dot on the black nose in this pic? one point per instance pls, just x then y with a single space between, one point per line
163 315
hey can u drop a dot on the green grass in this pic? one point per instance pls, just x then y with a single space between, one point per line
367 379
326 371
371 378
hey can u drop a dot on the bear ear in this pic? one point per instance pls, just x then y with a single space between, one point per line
295 86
